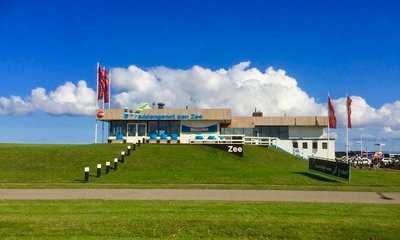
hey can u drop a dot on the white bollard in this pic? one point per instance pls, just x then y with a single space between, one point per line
98 170
128 150
87 172
115 163
108 167
122 156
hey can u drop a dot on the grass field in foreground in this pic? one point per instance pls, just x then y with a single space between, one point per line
195 220
175 166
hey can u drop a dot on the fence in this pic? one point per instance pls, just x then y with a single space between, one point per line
235 139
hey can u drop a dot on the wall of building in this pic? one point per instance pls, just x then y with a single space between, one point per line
305 132
287 145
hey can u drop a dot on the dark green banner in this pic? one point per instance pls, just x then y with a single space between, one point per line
334 168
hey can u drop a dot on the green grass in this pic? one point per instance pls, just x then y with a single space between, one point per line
174 166
195 220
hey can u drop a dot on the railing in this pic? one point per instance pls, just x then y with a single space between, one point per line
235 139
219 139
266 141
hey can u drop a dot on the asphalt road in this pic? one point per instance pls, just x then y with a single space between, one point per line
207 195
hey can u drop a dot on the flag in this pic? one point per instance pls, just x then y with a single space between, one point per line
103 84
331 114
348 106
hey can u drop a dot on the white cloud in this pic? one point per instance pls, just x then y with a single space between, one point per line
363 115
14 105
68 99
240 87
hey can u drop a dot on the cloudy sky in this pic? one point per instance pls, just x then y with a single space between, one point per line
282 58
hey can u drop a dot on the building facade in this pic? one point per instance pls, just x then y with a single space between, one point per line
300 135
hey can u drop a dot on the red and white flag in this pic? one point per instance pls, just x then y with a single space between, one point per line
331 114
348 106
103 84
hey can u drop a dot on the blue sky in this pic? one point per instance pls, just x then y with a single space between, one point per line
348 47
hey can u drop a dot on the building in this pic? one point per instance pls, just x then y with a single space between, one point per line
299 135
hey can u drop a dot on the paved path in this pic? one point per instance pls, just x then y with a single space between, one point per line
214 195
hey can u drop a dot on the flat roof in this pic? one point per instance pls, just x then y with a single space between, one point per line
213 114
306 121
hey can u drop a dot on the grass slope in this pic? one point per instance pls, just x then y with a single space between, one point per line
175 166
195 220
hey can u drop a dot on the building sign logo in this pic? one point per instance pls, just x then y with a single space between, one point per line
211 128
141 116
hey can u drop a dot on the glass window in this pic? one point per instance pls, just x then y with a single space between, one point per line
295 145
324 145
132 129
168 127
281 132
238 131
305 145
152 127
315 145
141 130
117 128
248 132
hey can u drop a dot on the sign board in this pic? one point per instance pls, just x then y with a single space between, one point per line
211 128
334 168
236 149
165 117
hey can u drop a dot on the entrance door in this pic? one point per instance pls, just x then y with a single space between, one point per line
136 131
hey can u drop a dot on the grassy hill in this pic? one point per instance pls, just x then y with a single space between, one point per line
178 166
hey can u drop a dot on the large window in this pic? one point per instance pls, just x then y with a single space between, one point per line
281 132
136 129
168 127
117 129
259 131
238 131
132 129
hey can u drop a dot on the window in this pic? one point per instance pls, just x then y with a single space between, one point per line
281 132
315 145
141 129
295 145
117 128
305 145
132 129
240 131
324 145
136 129
167 127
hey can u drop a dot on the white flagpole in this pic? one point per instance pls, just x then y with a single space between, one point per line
97 102
109 89
347 142
327 152
347 131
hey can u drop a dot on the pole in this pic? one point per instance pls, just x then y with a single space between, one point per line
347 142
102 131
109 90
97 103
361 145
327 152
